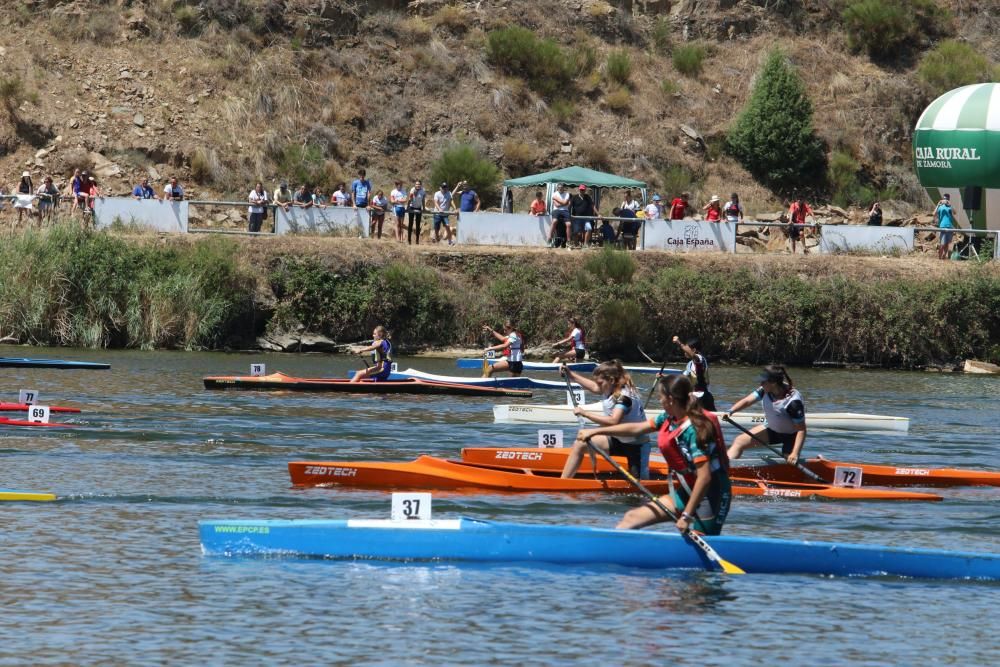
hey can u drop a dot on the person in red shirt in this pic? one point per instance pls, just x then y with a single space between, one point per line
797 213
538 205
713 210
679 207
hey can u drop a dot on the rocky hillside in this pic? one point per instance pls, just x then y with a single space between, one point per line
224 92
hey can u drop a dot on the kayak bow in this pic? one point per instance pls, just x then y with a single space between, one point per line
280 381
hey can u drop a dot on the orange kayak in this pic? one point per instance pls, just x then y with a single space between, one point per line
871 475
429 472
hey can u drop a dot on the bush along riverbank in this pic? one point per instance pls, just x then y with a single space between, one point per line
69 287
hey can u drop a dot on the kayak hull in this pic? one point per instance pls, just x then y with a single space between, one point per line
23 407
282 382
24 362
833 421
428 472
432 473
4 421
577 366
547 460
519 382
499 542
26 496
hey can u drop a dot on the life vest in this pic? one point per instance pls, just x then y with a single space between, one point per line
382 355
515 346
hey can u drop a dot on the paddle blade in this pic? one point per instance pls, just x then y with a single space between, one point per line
713 555
729 568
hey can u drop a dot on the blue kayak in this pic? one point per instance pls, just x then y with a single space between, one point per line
578 366
497 542
500 381
24 362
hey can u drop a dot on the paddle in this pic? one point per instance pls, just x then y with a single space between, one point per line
643 353
804 470
656 381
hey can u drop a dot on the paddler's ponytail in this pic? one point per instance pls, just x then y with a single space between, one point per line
780 375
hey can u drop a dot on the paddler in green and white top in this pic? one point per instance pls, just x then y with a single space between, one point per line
512 346
620 404
784 413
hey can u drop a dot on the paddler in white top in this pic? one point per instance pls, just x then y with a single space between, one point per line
784 413
578 338
513 350
620 404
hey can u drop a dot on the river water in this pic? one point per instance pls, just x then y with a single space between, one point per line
112 572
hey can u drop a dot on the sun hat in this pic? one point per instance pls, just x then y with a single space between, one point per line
656 197
583 187
26 174
715 198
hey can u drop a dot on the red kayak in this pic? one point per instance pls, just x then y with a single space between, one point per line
23 407
4 421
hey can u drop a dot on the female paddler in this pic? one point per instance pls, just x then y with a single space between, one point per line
578 349
690 440
784 414
381 351
697 370
621 403
512 345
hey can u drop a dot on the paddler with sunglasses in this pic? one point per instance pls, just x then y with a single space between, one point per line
784 414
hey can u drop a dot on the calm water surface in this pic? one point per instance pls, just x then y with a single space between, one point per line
112 573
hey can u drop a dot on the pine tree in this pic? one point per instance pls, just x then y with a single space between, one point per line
773 138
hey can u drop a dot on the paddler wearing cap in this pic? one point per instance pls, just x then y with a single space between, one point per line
697 371
784 413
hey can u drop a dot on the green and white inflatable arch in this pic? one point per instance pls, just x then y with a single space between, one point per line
957 144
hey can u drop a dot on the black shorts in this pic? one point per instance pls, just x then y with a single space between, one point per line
794 231
786 440
515 366
631 451
580 354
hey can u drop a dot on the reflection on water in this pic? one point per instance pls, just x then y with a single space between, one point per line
112 572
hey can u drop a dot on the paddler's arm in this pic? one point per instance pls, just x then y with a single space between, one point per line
587 383
701 482
800 440
749 399
688 352
630 428
487 327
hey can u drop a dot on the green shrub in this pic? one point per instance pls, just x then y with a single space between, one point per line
668 87
562 111
620 326
584 58
302 164
952 64
188 20
541 63
619 67
463 162
773 137
688 59
611 266
661 35
843 177
882 28
677 179
619 100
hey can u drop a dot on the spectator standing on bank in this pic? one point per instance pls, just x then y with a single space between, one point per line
733 209
442 204
469 199
361 190
376 214
48 198
257 209
628 228
340 195
537 207
561 220
25 192
173 191
90 192
397 198
944 214
319 198
652 210
303 198
713 210
680 208
282 196
144 190
630 202
416 201
75 184
875 215
797 214
584 214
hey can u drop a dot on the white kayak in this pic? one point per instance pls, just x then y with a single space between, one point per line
578 366
825 421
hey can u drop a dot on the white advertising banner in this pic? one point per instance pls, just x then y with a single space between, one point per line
163 216
862 238
501 229
689 236
336 220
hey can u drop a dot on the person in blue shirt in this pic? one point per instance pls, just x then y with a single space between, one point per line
361 190
945 216
469 199
144 190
